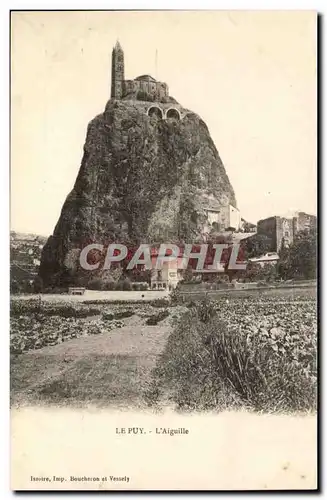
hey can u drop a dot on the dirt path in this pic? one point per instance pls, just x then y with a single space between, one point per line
107 369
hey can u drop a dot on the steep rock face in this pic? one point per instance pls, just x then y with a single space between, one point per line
141 180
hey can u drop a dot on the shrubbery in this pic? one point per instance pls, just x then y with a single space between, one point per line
21 286
109 285
125 313
140 286
95 284
156 318
123 284
163 302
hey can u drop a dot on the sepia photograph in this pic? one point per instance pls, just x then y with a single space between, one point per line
163 250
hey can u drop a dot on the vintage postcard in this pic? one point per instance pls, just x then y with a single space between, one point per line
163 330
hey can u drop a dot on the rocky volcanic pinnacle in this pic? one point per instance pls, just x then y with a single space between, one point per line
141 180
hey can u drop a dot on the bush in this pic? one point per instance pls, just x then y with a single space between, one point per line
108 285
139 286
164 302
108 316
156 318
95 284
38 285
124 313
206 311
126 285
15 287
175 297
262 284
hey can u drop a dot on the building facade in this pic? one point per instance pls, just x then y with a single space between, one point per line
283 228
145 85
304 222
223 218
278 229
168 276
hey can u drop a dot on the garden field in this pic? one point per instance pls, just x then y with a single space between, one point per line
80 354
250 352
257 352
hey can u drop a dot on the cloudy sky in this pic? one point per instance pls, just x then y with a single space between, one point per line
251 76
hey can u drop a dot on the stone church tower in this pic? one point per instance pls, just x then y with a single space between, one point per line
117 72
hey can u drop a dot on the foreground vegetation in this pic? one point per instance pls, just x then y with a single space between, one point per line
78 354
36 324
244 352
252 351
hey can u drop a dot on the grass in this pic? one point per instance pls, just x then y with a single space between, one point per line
108 369
104 379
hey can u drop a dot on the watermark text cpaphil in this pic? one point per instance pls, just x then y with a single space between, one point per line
155 258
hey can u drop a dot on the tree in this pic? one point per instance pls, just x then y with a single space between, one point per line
253 272
256 245
188 274
108 284
300 259
14 286
38 285
283 266
95 284
140 274
125 285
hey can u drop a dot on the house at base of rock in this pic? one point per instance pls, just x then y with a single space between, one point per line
170 274
222 218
